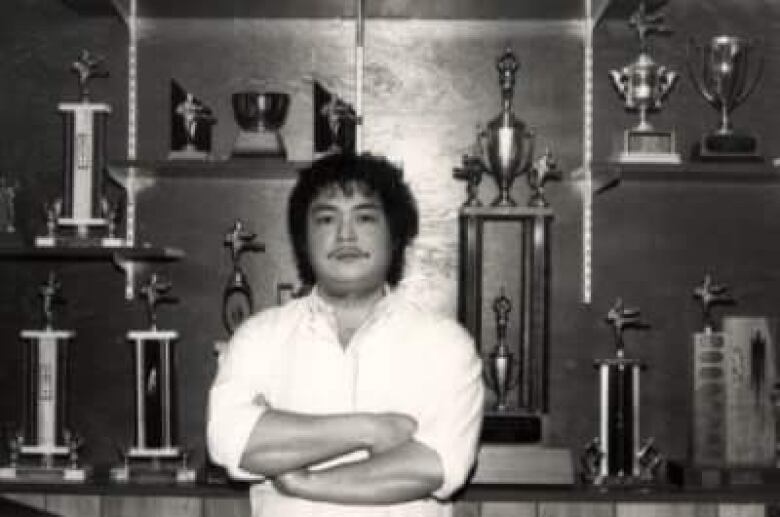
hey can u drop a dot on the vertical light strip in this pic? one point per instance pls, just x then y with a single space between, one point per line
359 40
132 81
587 155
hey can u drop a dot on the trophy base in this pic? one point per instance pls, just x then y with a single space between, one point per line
44 474
524 464
649 146
259 143
728 147
65 241
723 476
189 153
511 427
153 472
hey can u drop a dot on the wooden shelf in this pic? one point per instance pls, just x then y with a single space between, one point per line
389 9
236 168
145 254
610 174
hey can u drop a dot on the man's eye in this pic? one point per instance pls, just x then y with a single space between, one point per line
323 219
367 218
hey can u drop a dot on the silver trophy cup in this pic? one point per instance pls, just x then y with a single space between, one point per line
720 70
260 117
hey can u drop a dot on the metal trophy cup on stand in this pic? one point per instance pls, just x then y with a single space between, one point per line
719 70
501 368
644 86
506 144
616 457
154 455
73 219
260 117
45 450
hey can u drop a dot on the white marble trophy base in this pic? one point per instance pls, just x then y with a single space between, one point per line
42 474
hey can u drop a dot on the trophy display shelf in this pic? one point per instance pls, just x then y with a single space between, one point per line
610 174
125 253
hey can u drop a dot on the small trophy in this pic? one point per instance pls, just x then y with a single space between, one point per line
45 436
237 300
544 170
78 212
719 72
8 211
260 117
471 170
644 85
507 144
191 123
502 371
154 456
616 456
334 122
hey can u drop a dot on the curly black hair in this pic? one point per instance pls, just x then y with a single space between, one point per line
373 175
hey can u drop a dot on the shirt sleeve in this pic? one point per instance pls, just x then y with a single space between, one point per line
237 398
453 421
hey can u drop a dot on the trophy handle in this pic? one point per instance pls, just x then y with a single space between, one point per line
692 49
619 81
759 74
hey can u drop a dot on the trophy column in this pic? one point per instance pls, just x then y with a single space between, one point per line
514 417
45 436
616 456
154 455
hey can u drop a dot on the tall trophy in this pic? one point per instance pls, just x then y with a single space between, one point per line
260 117
616 457
719 70
154 456
644 86
237 299
78 217
45 449
191 123
507 144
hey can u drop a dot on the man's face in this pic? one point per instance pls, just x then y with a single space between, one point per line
349 241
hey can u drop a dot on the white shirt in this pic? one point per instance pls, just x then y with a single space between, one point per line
404 359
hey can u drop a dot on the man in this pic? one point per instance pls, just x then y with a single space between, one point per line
353 400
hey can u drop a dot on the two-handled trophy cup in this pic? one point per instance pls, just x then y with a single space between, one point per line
644 86
78 212
237 299
45 449
260 117
154 456
617 457
719 70
507 144
501 369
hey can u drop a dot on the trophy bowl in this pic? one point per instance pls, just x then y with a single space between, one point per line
260 116
251 109
720 72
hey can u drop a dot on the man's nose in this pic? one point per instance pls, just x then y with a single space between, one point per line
346 230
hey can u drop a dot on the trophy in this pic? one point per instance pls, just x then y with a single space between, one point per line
45 436
544 170
502 371
260 117
191 123
644 86
154 456
8 210
733 379
237 300
507 145
78 212
616 456
719 72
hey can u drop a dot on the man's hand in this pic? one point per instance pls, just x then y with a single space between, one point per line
292 483
390 431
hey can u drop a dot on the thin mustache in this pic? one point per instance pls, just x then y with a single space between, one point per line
352 250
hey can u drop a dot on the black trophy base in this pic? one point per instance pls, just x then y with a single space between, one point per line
511 427
730 147
721 477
